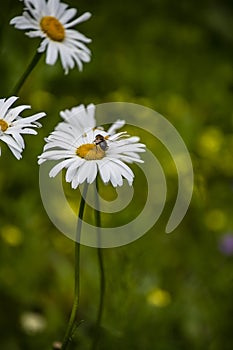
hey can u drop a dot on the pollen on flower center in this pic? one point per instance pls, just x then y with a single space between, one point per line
53 28
89 151
3 125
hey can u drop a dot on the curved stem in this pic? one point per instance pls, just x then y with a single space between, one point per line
72 321
102 273
27 72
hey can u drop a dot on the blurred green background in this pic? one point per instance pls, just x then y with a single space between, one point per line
164 291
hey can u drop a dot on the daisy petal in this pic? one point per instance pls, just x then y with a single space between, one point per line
51 21
58 167
12 125
86 150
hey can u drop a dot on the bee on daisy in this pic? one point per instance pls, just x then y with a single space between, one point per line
85 150
52 21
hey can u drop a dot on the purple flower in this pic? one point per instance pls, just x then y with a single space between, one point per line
226 244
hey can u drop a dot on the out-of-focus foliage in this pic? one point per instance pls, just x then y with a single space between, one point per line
164 292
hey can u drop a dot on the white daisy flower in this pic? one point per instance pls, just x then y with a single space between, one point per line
84 149
12 125
51 20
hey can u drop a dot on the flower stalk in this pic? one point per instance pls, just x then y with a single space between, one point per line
72 324
101 271
27 72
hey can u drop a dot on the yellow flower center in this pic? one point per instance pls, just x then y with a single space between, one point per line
3 125
53 28
90 152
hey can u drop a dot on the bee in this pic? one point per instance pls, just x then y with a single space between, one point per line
100 140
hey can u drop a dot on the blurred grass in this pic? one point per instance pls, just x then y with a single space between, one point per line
175 57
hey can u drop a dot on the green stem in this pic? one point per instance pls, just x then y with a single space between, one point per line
72 321
27 72
102 273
